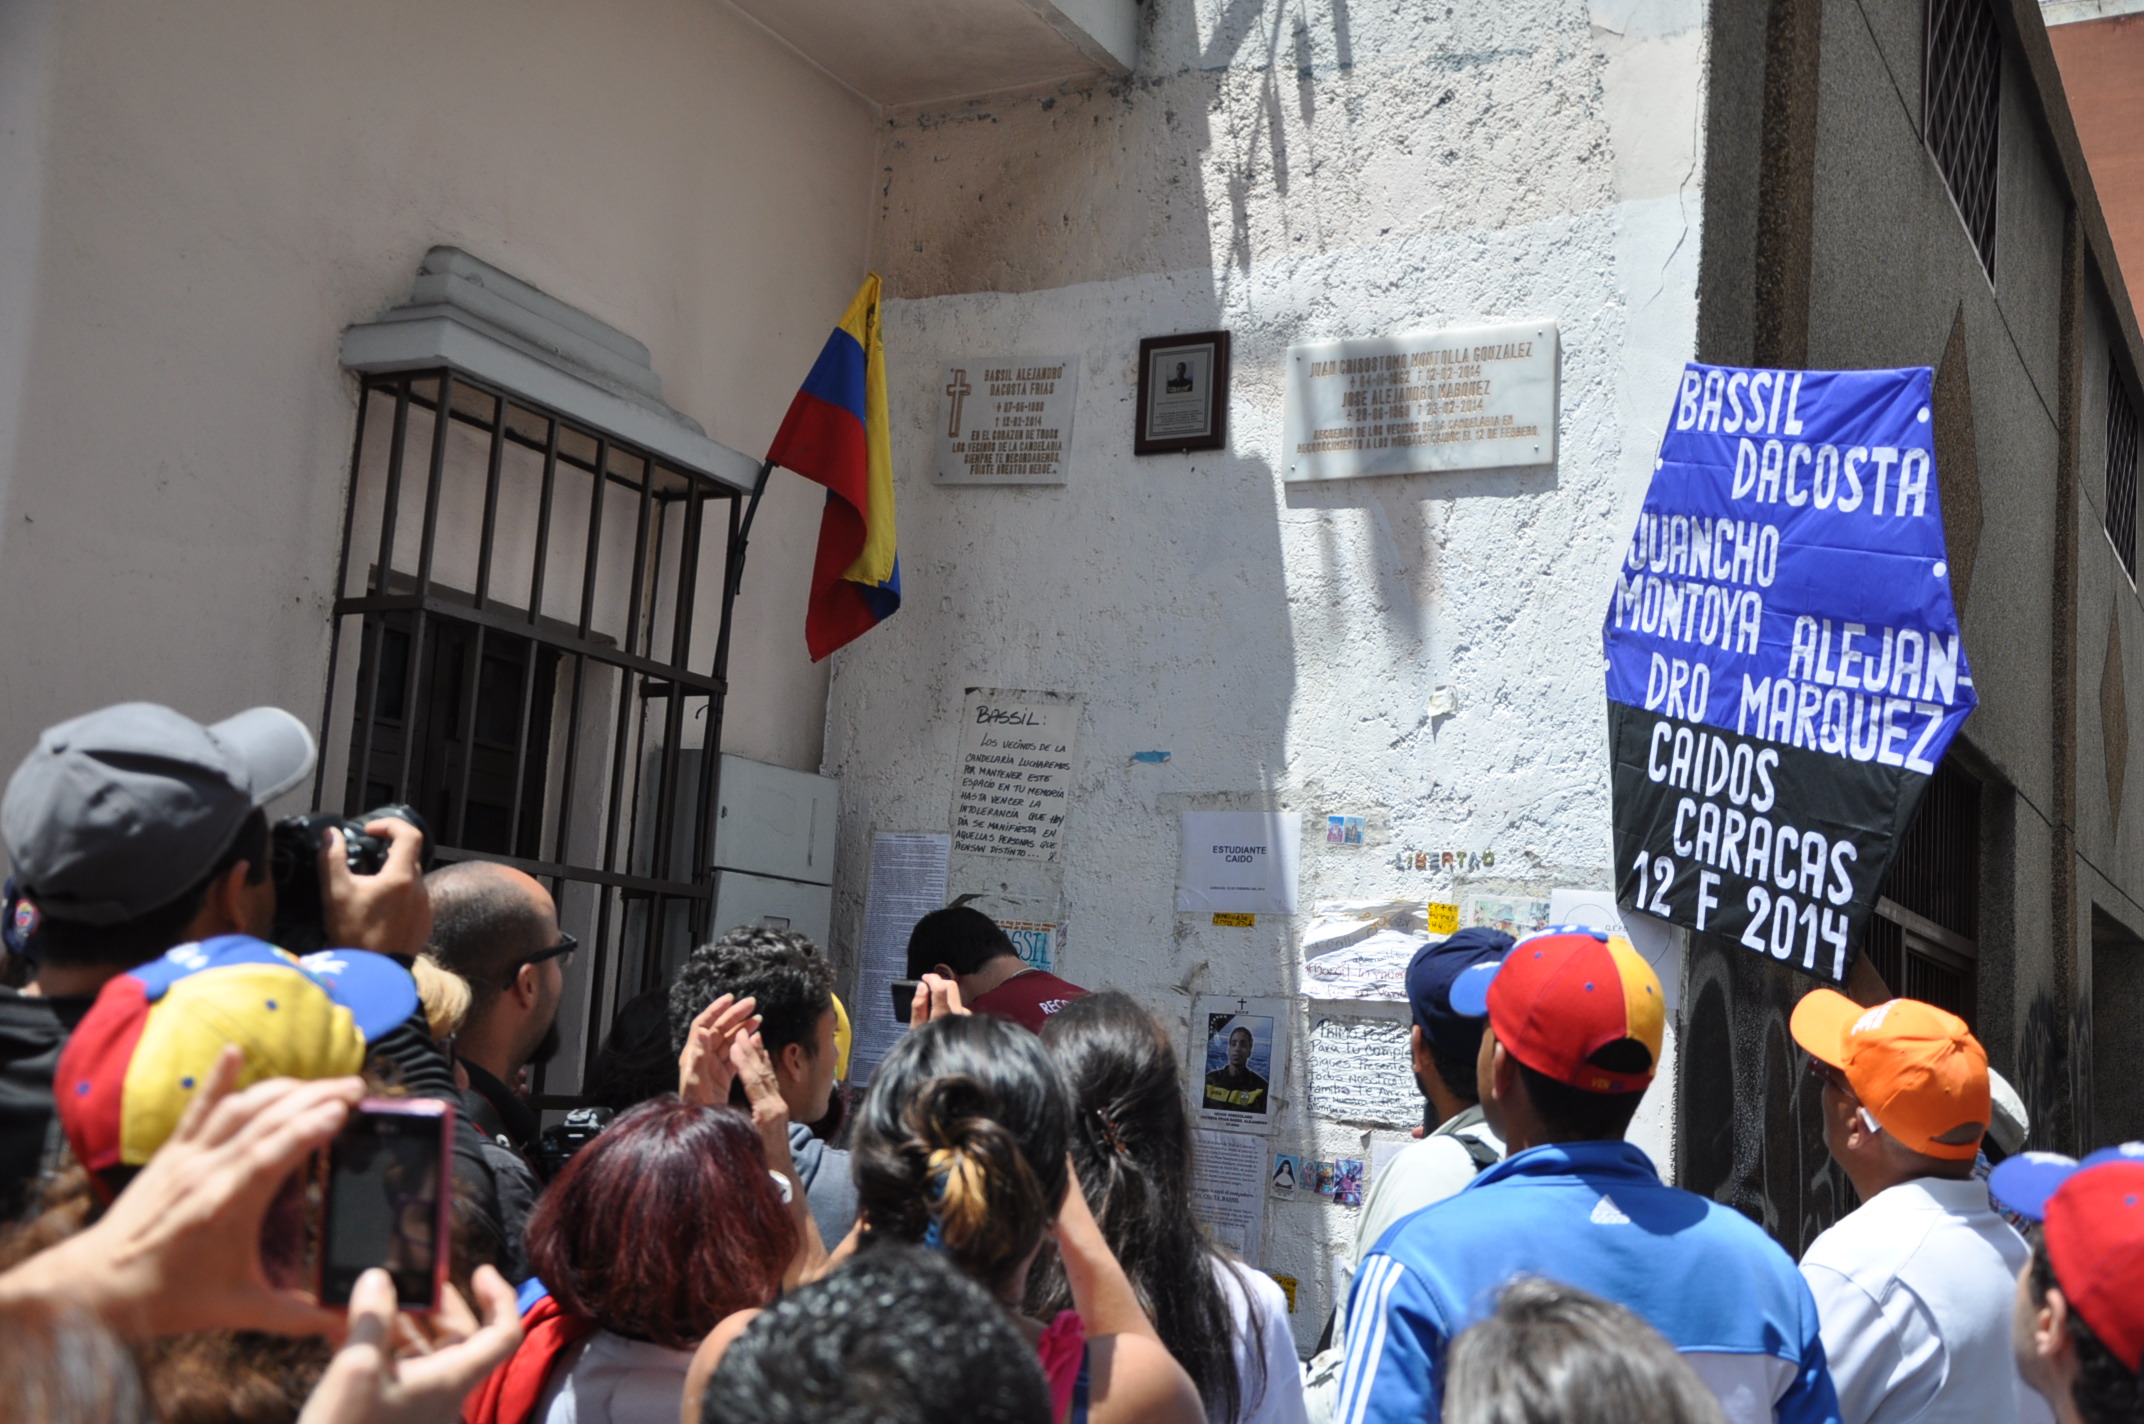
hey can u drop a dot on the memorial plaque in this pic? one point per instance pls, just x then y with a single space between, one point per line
1007 422
1015 770
1467 398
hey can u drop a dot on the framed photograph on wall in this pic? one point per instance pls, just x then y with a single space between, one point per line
1183 393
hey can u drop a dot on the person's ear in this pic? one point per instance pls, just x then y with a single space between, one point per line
792 1062
225 906
1419 1044
945 972
1503 1071
2050 1326
527 987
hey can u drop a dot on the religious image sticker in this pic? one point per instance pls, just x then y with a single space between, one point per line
1784 664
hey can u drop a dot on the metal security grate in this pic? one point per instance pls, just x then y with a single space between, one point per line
2121 466
522 653
1961 105
1924 937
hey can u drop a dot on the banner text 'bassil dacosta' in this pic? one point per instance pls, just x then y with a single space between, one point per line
1784 665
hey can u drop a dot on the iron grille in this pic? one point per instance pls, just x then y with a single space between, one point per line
514 655
2121 466
1961 105
1936 877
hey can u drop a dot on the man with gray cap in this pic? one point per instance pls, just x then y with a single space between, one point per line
133 829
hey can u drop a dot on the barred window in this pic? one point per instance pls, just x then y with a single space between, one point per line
530 648
2121 466
1924 939
1961 102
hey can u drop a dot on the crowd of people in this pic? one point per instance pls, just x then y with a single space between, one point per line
997 1226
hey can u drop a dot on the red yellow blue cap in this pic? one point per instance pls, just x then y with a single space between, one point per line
150 1040
1563 995
2093 1212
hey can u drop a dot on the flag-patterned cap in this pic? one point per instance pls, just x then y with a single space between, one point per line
1562 996
154 1033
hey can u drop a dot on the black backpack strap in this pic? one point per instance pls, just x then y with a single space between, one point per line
1482 1154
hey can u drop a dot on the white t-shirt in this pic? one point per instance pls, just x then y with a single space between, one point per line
1259 1329
1914 1294
608 1379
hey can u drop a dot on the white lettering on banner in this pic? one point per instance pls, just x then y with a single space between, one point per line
1798 877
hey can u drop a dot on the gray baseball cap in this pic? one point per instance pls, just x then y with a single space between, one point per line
125 809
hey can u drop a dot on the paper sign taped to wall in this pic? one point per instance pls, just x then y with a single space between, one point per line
1241 861
1239 1055
1362 1071
906 882
1228 1192
1441 919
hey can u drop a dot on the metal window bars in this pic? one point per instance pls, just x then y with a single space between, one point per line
2121 511
1961 109
514 623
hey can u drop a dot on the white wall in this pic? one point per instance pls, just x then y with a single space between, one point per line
199 199
1292 172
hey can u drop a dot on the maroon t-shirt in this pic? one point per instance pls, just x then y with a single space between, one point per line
1028 998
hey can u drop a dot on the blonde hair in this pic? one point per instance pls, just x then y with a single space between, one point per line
446 996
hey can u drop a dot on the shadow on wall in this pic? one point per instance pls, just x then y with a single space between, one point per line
1753 1137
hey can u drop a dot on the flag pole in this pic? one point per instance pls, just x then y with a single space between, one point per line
733 575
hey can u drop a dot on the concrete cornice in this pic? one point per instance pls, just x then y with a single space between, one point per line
466 314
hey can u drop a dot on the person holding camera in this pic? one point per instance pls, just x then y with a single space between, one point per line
134 829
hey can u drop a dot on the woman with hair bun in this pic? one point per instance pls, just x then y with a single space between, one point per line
1225 1324
961 1146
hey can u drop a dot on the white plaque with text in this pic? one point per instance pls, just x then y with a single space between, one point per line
1015 773
1007 422
1466 398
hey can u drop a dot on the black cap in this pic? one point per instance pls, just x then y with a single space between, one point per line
123 810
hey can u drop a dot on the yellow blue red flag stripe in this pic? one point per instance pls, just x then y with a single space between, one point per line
835 434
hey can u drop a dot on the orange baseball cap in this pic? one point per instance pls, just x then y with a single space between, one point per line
1918 1070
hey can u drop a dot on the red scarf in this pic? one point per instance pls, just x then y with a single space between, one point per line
509 1393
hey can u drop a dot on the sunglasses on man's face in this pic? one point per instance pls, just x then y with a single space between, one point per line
562 951
1831 1077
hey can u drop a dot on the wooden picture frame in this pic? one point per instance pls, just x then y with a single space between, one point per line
1183 394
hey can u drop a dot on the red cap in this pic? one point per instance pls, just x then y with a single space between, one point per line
1562 996
2094 1225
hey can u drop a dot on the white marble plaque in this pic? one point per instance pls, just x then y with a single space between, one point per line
1007 422
1466 398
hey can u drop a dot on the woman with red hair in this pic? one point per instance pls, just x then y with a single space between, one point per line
682 1212
663 1225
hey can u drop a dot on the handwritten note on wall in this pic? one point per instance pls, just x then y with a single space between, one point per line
1015 773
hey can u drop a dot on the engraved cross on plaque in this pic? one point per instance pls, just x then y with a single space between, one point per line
959 390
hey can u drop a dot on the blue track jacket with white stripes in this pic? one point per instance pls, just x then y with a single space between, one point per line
1597 1216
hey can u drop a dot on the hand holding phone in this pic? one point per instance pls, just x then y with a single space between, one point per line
904 999
385 1198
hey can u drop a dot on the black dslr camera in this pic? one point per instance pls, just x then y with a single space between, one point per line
562 1139
294 845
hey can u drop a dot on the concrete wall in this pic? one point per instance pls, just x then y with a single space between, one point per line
1289 172
2050 616
199 200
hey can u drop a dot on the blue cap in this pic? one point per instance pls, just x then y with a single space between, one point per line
2024 1183
1430 977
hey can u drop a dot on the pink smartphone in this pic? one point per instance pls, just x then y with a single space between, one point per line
387 1182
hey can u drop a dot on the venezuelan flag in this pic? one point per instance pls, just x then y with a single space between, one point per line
835 434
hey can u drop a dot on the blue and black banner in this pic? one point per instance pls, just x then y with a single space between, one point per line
1784 664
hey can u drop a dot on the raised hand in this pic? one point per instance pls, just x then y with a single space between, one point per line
704 1069
373 1380
179 1250
387 913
